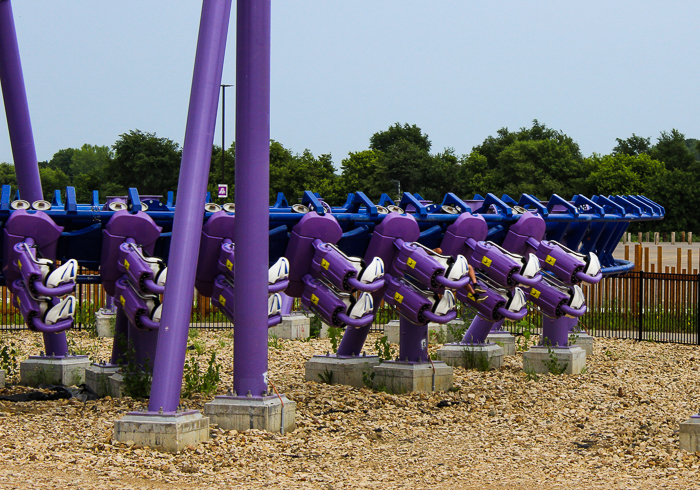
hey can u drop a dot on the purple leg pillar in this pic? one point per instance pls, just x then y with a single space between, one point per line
17 108
496 326
56 344
252 195
145 344
191 192
477 331
413 345
555 331
256 411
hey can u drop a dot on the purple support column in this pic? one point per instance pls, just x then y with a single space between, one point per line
478 331
17 108
497 326
191 193
413 344
252 196
555 331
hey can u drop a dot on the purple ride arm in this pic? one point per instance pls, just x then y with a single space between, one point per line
448 317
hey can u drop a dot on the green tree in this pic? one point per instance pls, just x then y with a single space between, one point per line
7 175
412 134
671 149
144 161
634 145
537 160
52 180
359 170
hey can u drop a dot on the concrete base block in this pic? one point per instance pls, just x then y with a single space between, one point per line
323 333
392 332
504 339
689 434
572 359
104 323
406 377
166 432
66 371
292 327
437 333
2 378
97 378
583 340
116 386
482 356
342 370
243 413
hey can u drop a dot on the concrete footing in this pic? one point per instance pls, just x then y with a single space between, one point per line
689 434
66 371
437 333
243 413
105 321
166 432
292 327
505 339
97 378
352 371
406 377
556 360
472 356
117 386
2 378
583 340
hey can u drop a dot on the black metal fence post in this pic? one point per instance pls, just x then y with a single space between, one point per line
697 308
640 305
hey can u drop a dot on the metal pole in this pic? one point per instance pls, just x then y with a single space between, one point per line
17 108
191 192
252 196
223 128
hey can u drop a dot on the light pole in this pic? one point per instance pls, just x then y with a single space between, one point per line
223 126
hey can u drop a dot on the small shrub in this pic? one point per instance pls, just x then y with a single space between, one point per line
327 376
437 337
334 335
196 382
314 327
457 330
368 376
275 342
8 359
384 349
478 360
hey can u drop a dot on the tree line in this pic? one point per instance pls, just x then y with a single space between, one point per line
536 160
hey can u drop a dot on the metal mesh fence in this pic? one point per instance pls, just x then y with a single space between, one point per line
648 306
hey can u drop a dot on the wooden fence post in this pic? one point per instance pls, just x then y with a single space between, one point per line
673 238
656 238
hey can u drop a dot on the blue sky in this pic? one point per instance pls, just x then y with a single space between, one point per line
341 71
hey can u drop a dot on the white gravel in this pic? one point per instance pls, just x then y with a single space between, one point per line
616 426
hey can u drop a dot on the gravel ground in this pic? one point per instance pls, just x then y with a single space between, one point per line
616 426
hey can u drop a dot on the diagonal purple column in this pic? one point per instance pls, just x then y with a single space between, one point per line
252 196
19 125
191 193
17 108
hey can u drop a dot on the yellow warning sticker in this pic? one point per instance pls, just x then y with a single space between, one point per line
222 300
486 261
325 264
550 260
471 296
411 263
314 299
18 301
398 297
122 300
229 265
535 293
126 264
19 263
